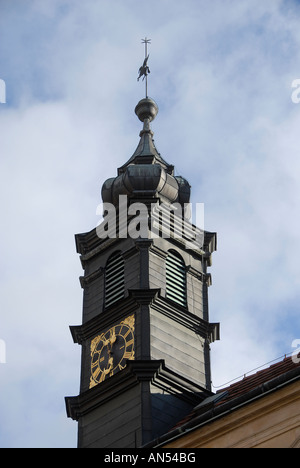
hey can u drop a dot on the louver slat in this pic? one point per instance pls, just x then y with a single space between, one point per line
175 279
114 280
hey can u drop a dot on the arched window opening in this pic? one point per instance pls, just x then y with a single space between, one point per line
176 278
114 279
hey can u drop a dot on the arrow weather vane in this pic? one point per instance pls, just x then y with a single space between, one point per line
144 69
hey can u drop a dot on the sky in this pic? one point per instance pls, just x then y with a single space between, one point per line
222 75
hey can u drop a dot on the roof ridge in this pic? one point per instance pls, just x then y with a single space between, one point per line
274 370
249 374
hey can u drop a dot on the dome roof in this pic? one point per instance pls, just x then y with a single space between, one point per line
146 174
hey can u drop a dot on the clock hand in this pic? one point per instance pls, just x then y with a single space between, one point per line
105 341
111 365
113 337
106 371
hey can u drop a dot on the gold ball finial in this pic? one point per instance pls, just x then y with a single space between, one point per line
146 109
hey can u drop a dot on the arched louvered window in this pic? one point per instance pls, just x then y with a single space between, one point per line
114 279
175 278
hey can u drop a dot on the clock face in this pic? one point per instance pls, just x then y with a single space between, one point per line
111 349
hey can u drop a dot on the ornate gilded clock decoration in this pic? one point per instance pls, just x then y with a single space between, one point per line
111 349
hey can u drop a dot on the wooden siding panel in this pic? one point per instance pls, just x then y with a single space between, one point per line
125 410
157 272
181 347
132 272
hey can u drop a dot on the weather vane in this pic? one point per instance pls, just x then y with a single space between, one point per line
144 69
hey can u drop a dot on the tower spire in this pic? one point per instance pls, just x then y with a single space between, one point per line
144 69
145 330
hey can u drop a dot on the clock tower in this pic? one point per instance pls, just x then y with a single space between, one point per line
145 333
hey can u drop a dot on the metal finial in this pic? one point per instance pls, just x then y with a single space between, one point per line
144 69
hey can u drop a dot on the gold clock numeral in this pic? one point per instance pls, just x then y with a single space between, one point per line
127 333
96 373
94 364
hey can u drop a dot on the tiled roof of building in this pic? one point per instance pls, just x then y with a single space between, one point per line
285 370
250 382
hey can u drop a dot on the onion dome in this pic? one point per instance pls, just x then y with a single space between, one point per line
146 175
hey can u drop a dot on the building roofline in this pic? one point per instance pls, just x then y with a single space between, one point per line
215 409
